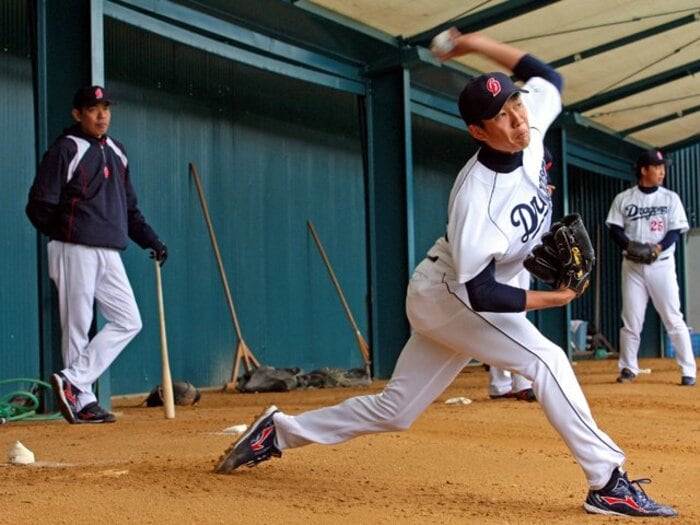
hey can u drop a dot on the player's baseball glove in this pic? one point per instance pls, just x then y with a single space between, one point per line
641 252
565 255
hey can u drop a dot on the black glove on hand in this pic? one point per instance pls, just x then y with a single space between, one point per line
159 252
565 255
641 252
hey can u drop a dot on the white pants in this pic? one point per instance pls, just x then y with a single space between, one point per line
447 334
85 276
657 281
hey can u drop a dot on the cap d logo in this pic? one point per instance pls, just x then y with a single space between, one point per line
493 86
659 155
98 93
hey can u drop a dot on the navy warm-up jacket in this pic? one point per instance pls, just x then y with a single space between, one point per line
82 194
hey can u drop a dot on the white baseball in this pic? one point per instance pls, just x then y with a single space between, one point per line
442 43
236 429
458 401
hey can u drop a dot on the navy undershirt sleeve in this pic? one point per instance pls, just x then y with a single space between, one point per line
529 67
670 238
618 235
488 295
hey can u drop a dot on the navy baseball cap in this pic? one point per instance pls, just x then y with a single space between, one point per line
484 96
90 96
652 157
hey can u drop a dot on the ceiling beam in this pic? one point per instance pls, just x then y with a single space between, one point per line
661 120
633 88
482 19
620 42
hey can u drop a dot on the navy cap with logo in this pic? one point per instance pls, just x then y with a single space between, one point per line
484 96
652 157
90 96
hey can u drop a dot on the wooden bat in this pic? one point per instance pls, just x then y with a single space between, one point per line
167 381
242 350
361 343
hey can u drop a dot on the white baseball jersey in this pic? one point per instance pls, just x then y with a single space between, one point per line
648 217
501 216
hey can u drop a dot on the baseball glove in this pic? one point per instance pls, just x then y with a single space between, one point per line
184 393
641 252
565 256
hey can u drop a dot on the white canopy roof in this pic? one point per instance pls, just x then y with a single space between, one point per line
629 65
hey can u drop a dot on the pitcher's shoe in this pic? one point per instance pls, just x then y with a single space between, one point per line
256 445
620 497
687 381
626 375
66 396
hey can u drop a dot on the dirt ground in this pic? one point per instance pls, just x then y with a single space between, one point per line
488 462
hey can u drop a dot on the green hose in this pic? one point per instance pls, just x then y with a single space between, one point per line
23 404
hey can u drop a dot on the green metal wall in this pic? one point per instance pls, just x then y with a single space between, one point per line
19 341
272 152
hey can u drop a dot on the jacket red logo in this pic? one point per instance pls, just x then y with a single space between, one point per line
493 86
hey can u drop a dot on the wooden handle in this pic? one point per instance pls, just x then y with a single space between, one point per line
215 245
364 348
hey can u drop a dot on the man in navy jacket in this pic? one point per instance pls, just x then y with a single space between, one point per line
83 200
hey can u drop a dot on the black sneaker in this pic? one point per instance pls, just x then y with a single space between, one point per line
687 381
523 395
66 396
626 376
508 395
254 446
526 395
621 498
94 413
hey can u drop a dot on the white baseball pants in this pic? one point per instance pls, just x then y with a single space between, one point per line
447 334
657 281
85 276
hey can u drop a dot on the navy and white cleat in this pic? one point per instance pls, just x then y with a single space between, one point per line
256 445
620 497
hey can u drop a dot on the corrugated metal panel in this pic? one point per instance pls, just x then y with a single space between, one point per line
591 196
19 349
684 178
14 37
272 153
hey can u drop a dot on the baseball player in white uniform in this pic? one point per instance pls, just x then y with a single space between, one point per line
651 215
458 303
